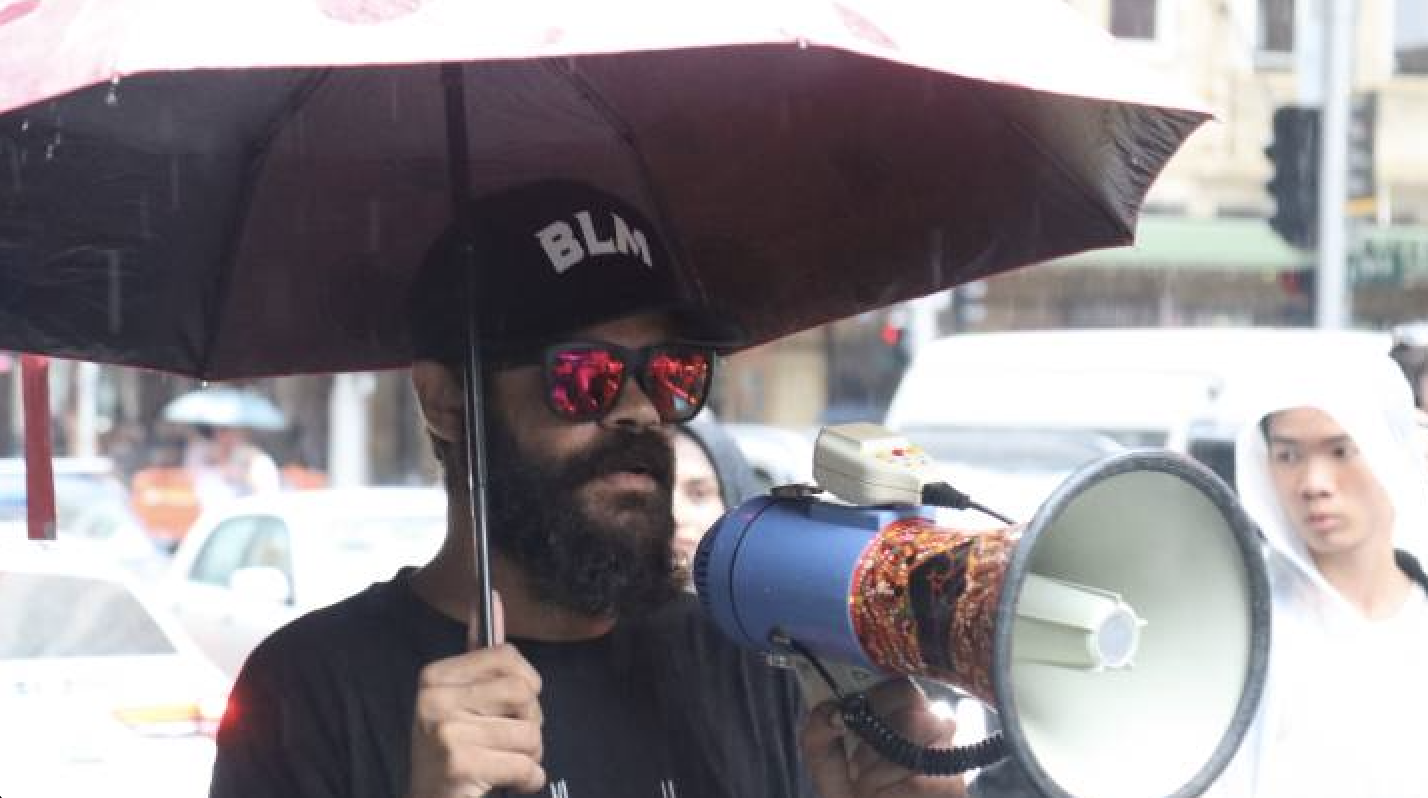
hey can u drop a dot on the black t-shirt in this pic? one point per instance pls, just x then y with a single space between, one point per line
665 707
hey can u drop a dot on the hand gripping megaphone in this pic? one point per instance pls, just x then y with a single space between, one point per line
1122 635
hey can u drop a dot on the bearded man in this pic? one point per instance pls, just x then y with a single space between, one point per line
606 679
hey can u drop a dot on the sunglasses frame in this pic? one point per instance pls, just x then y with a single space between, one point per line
636 361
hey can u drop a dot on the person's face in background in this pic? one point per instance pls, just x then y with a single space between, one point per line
1325 485
697 500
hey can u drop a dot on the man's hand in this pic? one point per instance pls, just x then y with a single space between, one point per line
866 774
477 724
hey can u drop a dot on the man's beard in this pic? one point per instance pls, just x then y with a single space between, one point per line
619 564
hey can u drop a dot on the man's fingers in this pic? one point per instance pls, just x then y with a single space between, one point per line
480 666
498 734
508 699
486 770
821 745
824 726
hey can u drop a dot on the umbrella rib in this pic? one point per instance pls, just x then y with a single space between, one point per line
660 209
260 149
1160 143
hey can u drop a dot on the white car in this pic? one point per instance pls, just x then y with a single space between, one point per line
100 692
778 455
256 563
92 509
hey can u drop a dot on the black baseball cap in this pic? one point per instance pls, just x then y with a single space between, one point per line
555 256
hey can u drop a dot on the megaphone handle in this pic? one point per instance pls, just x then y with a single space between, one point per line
822 682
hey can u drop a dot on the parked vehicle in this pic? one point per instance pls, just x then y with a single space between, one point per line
1156 387
92 508
778 455
100 692
251 565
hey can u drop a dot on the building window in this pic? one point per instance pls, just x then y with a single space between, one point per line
1133 19
1410 37
1276 26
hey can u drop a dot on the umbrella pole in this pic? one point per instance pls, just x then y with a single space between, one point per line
481 624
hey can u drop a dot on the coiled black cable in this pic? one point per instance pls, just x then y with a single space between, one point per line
859 716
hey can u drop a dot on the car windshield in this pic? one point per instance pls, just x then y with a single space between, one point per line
1010 450
77 489
74 616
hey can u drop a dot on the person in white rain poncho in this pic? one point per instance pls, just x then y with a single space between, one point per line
1332 475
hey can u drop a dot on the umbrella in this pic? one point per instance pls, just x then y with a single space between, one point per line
225 406
167 204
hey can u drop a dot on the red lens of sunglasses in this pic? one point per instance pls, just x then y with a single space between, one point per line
584 380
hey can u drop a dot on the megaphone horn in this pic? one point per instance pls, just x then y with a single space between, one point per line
1134 606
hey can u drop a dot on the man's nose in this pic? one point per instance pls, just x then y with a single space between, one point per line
633 408
1317 479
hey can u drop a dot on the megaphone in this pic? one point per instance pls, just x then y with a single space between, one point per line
1122 635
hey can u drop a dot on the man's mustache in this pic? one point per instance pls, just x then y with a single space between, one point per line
647 451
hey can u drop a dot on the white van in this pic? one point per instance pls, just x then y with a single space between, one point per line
1044 402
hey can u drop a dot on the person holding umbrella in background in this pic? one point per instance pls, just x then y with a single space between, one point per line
216 460
220 456
225 464
611 682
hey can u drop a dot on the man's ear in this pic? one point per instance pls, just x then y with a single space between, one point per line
440 395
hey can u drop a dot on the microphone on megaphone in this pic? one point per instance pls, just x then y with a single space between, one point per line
1122 634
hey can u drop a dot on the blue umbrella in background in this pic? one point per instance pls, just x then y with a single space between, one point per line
223 406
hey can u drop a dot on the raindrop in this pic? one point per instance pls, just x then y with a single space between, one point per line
175 200
25 125
299 137
111 97
802 44
374 225
144 222
116 316
54 144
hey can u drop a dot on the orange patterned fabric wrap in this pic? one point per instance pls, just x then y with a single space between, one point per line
924 601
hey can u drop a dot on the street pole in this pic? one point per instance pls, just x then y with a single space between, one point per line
1331 309
349 420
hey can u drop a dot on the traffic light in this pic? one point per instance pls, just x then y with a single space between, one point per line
895 344
1294 152
1302 287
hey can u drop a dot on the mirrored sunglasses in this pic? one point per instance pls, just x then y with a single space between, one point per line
583 379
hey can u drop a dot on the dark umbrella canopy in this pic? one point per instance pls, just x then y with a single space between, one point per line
228 223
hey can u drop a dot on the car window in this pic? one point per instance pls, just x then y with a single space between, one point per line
73 616
231 546
271 547
356 551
